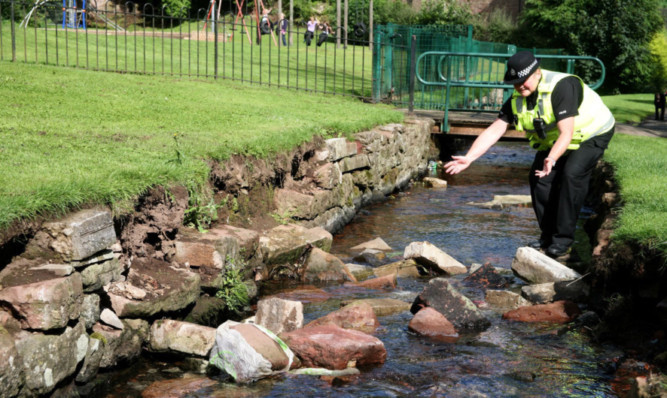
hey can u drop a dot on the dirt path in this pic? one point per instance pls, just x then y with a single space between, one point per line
648 128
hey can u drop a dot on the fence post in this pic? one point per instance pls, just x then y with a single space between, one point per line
13 32
215 40
413 67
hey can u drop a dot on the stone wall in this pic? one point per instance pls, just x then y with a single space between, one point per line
88 290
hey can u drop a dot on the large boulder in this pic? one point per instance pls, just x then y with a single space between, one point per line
279 315
321 266
556 312
357 316
172 336
49 359
429 322
249 352
456 307
152 287
41 300
428 255
333 347
535 267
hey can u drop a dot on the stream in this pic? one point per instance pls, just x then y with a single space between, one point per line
509 359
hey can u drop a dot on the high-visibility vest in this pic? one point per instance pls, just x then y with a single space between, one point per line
594 117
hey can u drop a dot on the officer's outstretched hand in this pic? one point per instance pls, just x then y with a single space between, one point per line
546 170
457 165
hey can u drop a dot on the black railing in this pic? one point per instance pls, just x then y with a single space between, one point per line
126 38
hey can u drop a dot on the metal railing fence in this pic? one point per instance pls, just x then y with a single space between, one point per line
473 81
130 39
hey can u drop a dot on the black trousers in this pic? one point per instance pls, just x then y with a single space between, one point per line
558 197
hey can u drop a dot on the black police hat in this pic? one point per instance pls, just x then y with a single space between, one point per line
520 66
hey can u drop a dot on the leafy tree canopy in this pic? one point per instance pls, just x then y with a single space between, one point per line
616 31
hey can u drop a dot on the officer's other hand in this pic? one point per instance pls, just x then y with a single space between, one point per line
457 165
546 170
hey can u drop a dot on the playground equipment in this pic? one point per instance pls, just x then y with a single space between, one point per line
72 17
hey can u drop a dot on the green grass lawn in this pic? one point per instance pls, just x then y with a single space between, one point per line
640 164
189 50
70 137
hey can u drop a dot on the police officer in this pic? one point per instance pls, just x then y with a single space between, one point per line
569 126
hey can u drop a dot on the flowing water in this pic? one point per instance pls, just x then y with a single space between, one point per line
509 359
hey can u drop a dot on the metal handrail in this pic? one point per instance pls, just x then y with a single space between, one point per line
444 69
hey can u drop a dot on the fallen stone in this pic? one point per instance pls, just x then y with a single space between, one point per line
503 201
457 308
110 318
505 300
426 254
79 235
404 269
287 243
432 182
430 323
247 352
166 289
305 294
321 266
333 347
382 282
186 386
486 277
172 336
535 267
371 256
382 306
49 359
556 312
359 271
46 304
279 315
375 244
553 291
359 316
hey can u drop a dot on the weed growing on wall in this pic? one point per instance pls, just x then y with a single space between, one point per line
232 290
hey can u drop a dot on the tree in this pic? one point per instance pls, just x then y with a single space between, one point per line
616 31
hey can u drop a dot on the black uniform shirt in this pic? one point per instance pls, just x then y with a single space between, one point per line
565 99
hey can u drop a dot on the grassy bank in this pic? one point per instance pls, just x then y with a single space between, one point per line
71 137
640 164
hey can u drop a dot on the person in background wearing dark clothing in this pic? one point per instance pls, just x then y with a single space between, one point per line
659 102
569 126
326 31
282 25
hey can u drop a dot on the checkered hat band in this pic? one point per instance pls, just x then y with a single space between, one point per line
522 73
